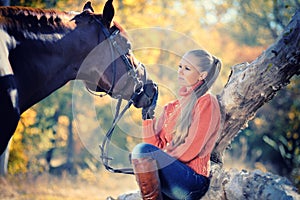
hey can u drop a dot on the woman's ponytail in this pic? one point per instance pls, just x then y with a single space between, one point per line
212 66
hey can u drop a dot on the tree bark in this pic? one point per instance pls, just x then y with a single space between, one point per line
248 88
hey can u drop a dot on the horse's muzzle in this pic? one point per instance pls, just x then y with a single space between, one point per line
144 99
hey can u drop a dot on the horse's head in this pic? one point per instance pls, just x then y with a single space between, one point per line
111 67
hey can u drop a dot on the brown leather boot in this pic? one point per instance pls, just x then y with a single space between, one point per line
146 174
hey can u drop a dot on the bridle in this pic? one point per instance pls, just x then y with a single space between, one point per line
138 89
131 70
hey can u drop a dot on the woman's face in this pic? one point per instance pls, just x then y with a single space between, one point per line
188 75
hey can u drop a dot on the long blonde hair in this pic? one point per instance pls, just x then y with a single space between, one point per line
212 66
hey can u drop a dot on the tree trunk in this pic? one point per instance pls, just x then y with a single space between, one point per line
248 88
252 85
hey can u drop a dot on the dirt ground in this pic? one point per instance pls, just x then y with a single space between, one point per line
87 186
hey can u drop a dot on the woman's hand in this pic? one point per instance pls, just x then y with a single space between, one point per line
148 112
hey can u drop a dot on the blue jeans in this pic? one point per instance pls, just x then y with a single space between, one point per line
178 181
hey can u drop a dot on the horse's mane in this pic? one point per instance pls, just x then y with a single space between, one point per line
34 20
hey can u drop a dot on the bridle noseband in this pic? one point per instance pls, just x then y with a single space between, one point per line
138 89
131 70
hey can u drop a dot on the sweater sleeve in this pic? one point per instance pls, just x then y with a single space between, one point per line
206 117
152 131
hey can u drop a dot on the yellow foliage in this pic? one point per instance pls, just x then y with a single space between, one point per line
136 115
34 131
20 127
106 100
17 159
259 122
291 115
88 176
28 117
129 139
63 120
130 2
17 137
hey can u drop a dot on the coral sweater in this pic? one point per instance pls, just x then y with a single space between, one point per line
203 132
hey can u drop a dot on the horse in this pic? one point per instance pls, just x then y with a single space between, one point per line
43 49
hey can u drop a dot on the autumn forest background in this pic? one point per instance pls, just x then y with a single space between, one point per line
54 153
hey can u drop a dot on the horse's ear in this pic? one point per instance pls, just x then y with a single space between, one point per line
87 11
88 6
108 12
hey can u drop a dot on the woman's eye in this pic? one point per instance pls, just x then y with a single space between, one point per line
185 67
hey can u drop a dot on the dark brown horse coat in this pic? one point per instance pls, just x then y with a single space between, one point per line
41 50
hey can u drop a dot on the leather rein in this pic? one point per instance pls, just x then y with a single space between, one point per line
138 89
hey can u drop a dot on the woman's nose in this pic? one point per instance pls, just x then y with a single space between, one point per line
179 71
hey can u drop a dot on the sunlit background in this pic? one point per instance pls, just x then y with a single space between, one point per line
54 153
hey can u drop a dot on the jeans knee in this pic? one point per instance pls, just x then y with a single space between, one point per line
143 150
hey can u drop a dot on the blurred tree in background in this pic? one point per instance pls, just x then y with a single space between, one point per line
260 21
234 30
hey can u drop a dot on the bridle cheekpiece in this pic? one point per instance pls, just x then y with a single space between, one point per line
138 89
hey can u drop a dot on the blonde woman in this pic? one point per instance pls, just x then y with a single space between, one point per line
174 161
